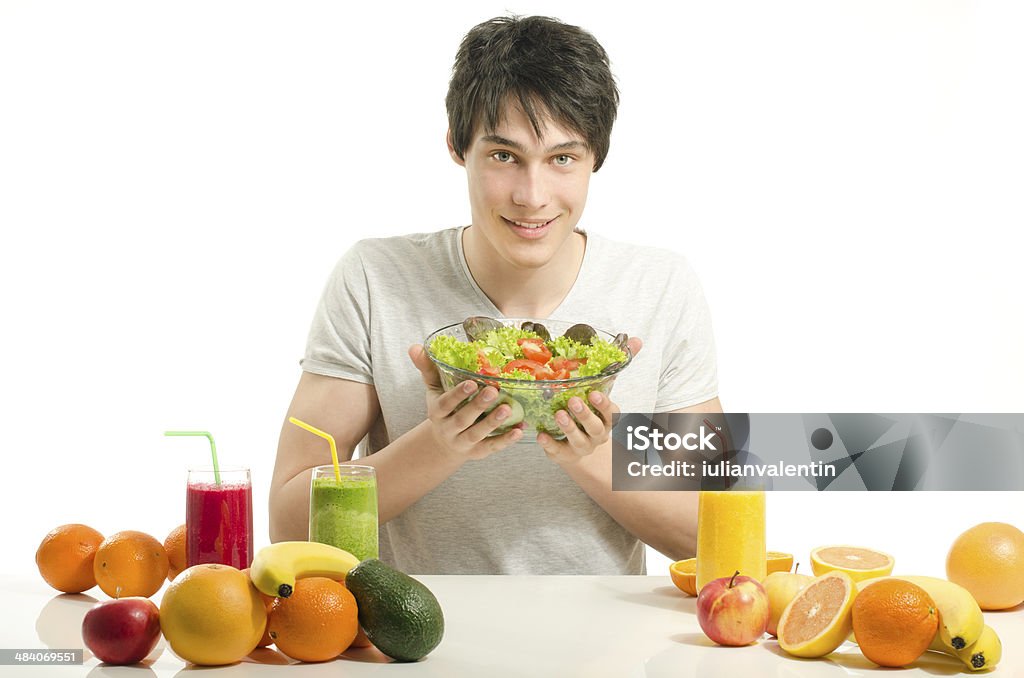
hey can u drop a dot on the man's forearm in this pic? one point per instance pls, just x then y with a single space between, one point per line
407 469
664 520
289 509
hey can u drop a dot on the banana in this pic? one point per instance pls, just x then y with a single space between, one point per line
984 654
960 619
276 567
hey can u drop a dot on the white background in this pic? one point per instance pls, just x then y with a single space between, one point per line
177 180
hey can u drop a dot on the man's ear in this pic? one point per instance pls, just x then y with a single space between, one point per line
451 150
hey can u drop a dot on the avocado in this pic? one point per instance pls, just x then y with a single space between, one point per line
400 615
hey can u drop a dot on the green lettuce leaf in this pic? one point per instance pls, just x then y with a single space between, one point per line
600 354
455 352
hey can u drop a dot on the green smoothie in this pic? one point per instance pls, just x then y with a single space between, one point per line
343 513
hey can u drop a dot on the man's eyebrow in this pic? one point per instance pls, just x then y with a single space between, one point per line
502 141
567 146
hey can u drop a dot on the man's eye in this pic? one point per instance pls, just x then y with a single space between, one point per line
503 156
563 160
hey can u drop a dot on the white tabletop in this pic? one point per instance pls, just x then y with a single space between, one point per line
502 626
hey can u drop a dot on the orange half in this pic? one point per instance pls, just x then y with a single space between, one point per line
684 575
684 572
779 562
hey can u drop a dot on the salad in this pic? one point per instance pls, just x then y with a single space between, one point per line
535 373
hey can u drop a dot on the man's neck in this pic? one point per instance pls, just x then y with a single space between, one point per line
524 293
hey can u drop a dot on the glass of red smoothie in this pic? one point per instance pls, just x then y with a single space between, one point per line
218 517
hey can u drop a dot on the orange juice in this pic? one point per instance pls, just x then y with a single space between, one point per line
730 536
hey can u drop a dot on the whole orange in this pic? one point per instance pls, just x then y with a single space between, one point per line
894 622
317 622
361 639
65 557
212 615
988 561
174 545
130 563
268 602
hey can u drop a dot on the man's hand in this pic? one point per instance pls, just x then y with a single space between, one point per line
592 430
455 428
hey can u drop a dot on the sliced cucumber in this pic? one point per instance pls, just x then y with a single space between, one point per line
517 413
514 417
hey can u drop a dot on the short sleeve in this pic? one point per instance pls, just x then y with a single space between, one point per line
339 338
689 374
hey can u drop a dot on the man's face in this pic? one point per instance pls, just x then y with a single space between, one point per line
526 193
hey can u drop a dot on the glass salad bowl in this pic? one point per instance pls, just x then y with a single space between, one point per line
536 365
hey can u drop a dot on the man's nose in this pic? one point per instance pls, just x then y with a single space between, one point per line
531 190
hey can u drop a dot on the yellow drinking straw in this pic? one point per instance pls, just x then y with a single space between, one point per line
326 436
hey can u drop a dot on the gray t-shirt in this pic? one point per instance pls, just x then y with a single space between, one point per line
515 512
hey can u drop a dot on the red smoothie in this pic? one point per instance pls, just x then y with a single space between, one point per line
218 522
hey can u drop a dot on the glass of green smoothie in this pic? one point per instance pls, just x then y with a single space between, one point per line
343 509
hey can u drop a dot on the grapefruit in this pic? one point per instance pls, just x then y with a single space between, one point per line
212 615
988 561
858 562
818 619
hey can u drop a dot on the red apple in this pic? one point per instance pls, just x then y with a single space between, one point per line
122 631
733 610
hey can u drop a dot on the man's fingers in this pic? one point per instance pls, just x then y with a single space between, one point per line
604 405
555 449
635 344
428 371
591 423
492 445
469 413
445 404
483 428
573 435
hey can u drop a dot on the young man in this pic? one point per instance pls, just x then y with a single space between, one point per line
530 106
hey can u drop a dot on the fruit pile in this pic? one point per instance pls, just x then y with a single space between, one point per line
854 597
312 601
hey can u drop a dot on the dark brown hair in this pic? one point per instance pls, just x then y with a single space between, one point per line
547 67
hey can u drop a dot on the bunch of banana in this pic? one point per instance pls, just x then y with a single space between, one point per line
962 631
276 567
983 654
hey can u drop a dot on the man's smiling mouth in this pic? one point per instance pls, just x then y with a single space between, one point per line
532 224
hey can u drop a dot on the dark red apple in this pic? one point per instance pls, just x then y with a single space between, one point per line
122 631
733 610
